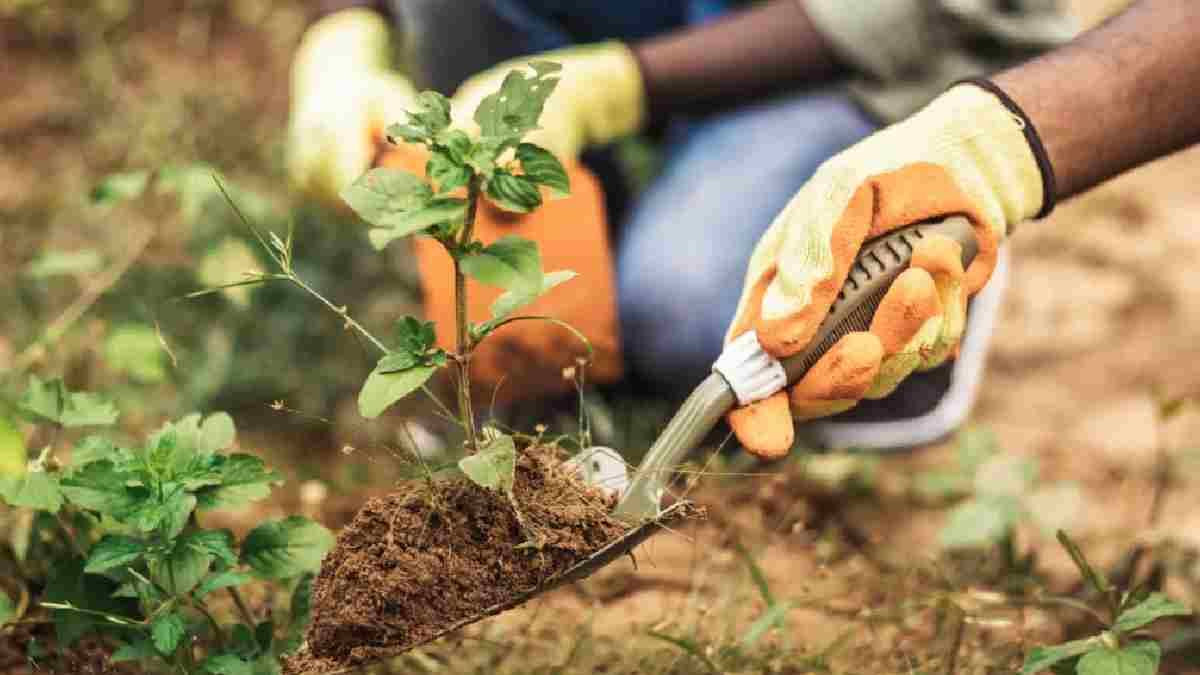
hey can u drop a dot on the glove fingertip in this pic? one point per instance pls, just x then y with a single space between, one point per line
764 428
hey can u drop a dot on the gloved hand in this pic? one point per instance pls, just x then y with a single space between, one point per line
600 97
344 93
966 154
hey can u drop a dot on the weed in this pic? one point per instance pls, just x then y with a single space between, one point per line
1121 647
125 555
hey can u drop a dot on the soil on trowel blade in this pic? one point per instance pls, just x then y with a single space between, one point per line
416 561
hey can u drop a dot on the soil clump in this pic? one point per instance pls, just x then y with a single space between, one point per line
434 553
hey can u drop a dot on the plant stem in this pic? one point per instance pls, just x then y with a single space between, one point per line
463 346
247 617
340 311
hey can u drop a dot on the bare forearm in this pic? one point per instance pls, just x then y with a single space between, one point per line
743 54
1119 96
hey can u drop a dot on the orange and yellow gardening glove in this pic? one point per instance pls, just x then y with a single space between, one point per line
344 93
967 153
600 97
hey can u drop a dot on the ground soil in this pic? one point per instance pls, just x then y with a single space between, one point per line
432 554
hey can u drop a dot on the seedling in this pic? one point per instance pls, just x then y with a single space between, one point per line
133 561
1121 647
497 165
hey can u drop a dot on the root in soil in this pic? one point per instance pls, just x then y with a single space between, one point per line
435 555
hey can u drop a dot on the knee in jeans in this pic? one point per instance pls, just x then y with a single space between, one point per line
670 332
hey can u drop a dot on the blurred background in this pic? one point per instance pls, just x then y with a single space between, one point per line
1101 324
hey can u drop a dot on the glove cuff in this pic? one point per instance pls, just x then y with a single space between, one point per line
1049 182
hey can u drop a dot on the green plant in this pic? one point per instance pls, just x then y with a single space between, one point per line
497 165
997 490
1121 648
128 558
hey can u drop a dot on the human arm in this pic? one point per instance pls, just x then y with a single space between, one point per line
1121 95
998 152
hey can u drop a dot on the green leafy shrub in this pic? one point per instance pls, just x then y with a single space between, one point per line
126 556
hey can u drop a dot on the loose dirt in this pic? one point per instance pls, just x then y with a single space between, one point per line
432 554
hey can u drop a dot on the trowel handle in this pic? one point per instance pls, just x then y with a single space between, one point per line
878 264
744 373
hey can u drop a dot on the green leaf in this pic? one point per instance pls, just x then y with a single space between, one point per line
940 484
218 432
439 210
510 301
1042 658
87 410
286 548
431 117
542 167
384 192
511 192
1005 476
43 401
181 569
91 449
299 612
381 390
494 466
34 490
774 617
1140 658
121 186
100 486
514 109
446 171
63 263
67 584
134 350
485 153
138 649
113 551
243 479
7 609
397 362
226 664
414 335
510 262
12 449
217 543
167 631
980 522
1154 607
49 401
1094 578
226 579
170 512
975 445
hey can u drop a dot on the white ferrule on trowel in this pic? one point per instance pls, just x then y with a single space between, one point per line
751 372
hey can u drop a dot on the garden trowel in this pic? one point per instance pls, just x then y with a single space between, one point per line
743 373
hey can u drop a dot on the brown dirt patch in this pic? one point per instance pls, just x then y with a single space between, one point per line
430 555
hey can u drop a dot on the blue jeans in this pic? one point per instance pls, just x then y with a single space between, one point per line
684 247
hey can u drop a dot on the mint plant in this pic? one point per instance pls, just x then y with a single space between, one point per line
137 566
1120 647
496 165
